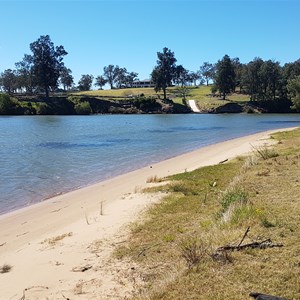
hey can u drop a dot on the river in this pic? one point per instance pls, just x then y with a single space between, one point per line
41 156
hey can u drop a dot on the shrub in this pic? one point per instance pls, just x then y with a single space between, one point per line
264 152
7 106
236 195
43 109
83 108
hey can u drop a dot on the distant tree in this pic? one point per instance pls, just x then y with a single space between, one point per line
47 62
130 78
120 77
195 76
100 82
66 78
238 69
25 73
110 74
251 78
225 76
294 91
182 78
85 82
207 71
291 70
8 81
270 73
163 73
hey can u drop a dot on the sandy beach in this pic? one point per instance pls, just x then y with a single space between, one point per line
61 248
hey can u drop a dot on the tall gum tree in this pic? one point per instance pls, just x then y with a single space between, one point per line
47 62
164 72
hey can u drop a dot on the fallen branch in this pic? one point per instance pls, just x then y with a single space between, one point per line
255 245
259 296
222 161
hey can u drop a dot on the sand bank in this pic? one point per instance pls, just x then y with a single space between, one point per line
60 248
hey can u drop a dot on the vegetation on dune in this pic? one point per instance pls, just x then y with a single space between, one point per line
180 245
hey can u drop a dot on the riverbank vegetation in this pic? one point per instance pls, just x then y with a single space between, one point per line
223 237
41 80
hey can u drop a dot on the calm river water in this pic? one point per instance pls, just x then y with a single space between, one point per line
41 156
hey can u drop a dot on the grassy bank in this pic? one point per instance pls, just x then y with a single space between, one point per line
250 205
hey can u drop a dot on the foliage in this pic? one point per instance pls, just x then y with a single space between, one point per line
163 73
83 108
294 91
6 104
207 71
66 78
85 82
225 76
100 82
8 81
47 63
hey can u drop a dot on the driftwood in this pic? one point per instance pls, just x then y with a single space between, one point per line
259 296
254 245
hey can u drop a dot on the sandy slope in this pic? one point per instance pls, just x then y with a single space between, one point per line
60 248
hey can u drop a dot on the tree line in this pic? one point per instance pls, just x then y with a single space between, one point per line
43 71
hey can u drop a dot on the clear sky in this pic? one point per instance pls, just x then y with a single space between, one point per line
130 33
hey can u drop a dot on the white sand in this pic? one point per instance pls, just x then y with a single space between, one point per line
47 243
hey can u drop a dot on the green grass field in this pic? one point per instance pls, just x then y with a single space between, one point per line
201 94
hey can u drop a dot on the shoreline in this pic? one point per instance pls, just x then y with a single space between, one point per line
76 220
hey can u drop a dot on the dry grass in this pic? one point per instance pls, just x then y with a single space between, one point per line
53 241
5 268
154 179
194 211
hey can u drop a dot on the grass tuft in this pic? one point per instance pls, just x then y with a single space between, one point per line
5 268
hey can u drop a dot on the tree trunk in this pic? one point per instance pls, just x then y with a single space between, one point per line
47 93
224 96
165 93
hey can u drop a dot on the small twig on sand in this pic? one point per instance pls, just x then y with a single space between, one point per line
221 162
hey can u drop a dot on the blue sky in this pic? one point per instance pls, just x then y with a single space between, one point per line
130 33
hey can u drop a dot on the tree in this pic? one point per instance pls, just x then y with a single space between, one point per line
66 78
100 82
294 91
85 82
110 74
8 81
271 79
47 62
194 76
251 78
130 78
225 76
207 71
25 73
163 74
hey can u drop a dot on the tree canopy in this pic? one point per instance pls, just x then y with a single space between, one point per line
47 62
225 76
164 72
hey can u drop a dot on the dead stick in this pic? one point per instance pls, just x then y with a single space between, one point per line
245 234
